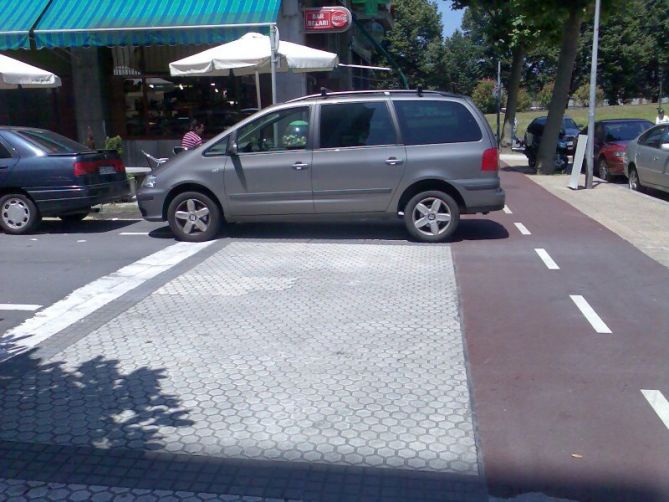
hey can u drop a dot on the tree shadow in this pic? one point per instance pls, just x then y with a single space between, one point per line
93 404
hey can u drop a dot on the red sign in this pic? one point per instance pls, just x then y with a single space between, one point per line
327 20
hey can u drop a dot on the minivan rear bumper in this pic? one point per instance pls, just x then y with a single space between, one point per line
484 201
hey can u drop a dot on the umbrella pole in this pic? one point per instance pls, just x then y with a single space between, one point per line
274 42
258 91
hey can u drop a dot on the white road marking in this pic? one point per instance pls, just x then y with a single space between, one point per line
523 229
19 306
134 233
507 210
546 258
659 404
33 239
92 297
590 314
81 240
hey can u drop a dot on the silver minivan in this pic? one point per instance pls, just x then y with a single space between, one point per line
423 156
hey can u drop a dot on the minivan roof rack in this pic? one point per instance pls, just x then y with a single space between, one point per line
324 94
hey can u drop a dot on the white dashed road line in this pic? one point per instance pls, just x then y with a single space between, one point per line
590 314
507 210
91 297
659 404
546 258
19 306
523 229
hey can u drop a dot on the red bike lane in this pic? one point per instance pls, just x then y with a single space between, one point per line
558 405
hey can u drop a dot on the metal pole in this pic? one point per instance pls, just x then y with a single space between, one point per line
258 100
274 43
590 147
499 96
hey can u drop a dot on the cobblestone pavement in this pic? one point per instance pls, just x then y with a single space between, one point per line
310 371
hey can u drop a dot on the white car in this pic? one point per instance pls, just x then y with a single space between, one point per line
647 160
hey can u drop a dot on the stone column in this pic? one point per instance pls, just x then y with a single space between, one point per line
89 82
291 29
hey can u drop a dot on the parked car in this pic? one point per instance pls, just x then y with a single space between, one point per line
45 174
535 131
611 138
421 155
646 159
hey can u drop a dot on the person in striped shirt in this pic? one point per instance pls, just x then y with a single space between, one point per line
193 138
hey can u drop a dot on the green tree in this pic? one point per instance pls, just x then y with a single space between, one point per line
545 95
484 96
524 101
582 95
415 42
461 64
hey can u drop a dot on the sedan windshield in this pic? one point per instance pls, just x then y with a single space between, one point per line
52 143
624 131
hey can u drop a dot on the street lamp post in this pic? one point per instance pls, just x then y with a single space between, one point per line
498 98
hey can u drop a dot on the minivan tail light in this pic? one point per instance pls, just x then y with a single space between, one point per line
490 160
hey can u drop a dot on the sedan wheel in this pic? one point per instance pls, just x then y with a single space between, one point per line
194 217
633 180
431 216
603 170
18 214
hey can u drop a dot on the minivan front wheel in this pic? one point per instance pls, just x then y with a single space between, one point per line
194 217
431 216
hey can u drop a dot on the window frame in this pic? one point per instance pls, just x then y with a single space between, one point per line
650 132
481 128
8 148
310 138
389 108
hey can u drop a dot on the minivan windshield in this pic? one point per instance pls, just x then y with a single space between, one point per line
52 143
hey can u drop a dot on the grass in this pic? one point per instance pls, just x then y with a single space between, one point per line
580 115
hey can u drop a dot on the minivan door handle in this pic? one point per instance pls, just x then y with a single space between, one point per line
393 161
300 166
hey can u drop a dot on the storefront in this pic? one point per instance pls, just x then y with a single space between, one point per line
113 61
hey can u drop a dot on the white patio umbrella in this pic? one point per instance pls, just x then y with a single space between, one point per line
252 54
14 73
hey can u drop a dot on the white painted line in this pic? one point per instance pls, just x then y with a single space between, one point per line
590 314
507 210
523 229
19 306
91 297
659 404
134 233
81 240
546 258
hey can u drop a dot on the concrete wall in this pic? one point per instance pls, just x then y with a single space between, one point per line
89 77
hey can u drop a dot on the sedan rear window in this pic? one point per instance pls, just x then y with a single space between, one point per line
430 122
52 143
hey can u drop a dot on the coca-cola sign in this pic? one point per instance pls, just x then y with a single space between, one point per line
327 19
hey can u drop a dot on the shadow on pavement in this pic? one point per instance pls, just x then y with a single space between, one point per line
56 226
470 229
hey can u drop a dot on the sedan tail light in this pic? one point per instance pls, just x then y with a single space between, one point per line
82 168
490 160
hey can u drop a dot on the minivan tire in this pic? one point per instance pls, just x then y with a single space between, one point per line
426 213
194 217
18 214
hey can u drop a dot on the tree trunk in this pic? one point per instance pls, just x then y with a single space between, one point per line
560 98
512 97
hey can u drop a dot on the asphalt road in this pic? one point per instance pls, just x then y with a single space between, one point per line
42 268
560 406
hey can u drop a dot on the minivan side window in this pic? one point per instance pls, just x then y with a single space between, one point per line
356 124
281 130
425 122
653 137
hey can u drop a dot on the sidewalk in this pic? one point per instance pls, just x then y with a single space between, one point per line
640 219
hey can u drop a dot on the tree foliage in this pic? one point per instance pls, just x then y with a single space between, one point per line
582 95
415 42
484 96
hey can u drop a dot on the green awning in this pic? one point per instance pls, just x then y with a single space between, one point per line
78 23
17 17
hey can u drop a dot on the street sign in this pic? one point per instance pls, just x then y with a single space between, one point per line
327 20
578 161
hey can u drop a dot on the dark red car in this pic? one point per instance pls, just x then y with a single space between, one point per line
611 138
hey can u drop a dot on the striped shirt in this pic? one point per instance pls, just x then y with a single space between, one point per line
191 140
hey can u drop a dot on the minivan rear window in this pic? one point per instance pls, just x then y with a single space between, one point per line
52 143
426 122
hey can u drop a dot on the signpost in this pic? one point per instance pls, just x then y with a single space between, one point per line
327 20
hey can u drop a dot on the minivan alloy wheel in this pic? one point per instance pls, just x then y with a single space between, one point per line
431 216
192 216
